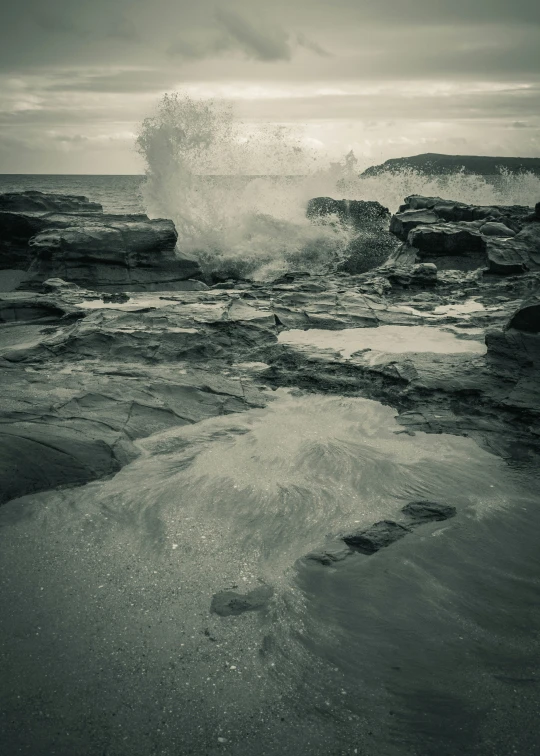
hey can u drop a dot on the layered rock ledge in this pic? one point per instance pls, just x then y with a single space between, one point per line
55 236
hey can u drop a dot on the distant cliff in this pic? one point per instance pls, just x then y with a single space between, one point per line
439 165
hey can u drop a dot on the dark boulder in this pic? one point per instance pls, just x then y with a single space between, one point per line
359 213
421 512
534 217
527 318
370 241
36 457
378 536
227 603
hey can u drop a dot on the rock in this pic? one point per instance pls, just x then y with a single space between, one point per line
534 217
371 243
402 223
421 275
36 457
450 211
227 603
329 556
516 255
359 213
527 317
58 285
69 427
32 201
138 255
376 537
446 239
421 512
55 236
507 257
492 228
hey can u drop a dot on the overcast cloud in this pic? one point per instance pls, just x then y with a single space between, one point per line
383 77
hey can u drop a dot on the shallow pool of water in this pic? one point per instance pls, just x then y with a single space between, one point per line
110 647
390 339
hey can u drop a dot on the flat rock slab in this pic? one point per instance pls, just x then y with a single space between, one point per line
228 603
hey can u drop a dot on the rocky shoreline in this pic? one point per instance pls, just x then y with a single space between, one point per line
89 366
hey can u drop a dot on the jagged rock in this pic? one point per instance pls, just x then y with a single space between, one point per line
450 211
421 512
376 537
36 457
516 255
402 223
227 603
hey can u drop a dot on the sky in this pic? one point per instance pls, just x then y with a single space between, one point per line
386 78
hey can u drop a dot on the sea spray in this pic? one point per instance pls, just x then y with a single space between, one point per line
233 192
237 193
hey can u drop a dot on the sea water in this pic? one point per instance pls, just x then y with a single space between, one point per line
427 647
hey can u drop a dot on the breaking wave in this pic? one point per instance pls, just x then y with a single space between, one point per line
238 193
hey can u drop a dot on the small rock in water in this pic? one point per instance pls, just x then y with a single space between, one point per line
428 511
328 557
227 603
376 537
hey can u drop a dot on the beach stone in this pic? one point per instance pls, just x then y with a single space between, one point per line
428 511
376 537
230 603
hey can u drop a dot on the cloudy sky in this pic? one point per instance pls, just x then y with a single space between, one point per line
383 77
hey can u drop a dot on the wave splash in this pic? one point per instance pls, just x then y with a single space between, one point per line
238 194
